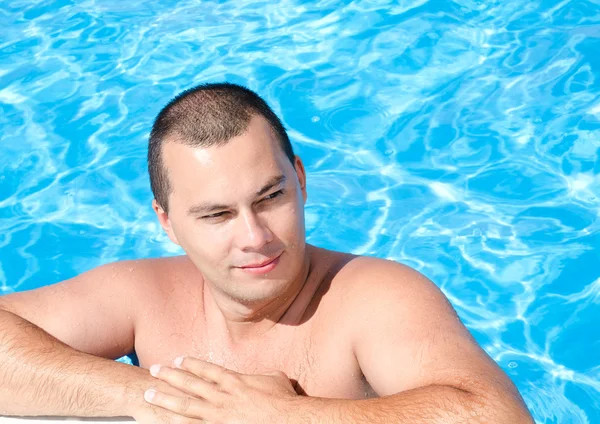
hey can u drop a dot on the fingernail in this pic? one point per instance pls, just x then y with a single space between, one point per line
177 361
149 395
154 369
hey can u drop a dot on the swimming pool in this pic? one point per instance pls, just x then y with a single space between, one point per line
459 137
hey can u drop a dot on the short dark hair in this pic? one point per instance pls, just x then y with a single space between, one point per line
204 116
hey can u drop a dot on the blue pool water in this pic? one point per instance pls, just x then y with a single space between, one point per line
458 137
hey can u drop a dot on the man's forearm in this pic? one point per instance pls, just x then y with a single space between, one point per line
39 375
432 404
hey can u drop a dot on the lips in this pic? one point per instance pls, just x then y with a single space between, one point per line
261 268
259 264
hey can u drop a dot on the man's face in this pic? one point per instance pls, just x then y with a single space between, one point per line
238 212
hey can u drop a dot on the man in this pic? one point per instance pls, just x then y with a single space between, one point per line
252 325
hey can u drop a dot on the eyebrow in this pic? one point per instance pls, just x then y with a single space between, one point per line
204 208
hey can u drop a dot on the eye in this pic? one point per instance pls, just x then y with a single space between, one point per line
214 215
273 195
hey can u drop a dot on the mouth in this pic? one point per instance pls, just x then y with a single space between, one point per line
261 267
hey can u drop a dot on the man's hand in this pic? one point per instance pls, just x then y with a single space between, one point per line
221 395
146 413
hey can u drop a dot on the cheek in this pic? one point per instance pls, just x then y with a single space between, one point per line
203 243
290 223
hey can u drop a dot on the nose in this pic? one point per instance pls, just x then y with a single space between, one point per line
252 233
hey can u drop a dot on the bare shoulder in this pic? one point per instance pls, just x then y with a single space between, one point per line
365 291
120 286
151 279
389 299
405 332
97 311
369 282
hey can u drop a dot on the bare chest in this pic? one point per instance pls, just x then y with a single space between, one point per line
319 362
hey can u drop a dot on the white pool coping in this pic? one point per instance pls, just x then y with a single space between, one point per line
59 420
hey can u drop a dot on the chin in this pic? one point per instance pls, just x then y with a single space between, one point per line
259 291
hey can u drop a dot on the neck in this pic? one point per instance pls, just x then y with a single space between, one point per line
244 321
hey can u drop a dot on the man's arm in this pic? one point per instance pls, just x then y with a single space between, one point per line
57 344
425 405
417 356
40 375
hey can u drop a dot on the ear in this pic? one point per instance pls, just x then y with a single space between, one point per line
165 222
299 166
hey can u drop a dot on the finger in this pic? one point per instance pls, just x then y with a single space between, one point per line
157 415
206 370
182 405
185 381
276 373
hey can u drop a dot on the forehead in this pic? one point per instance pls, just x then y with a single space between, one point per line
242 164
